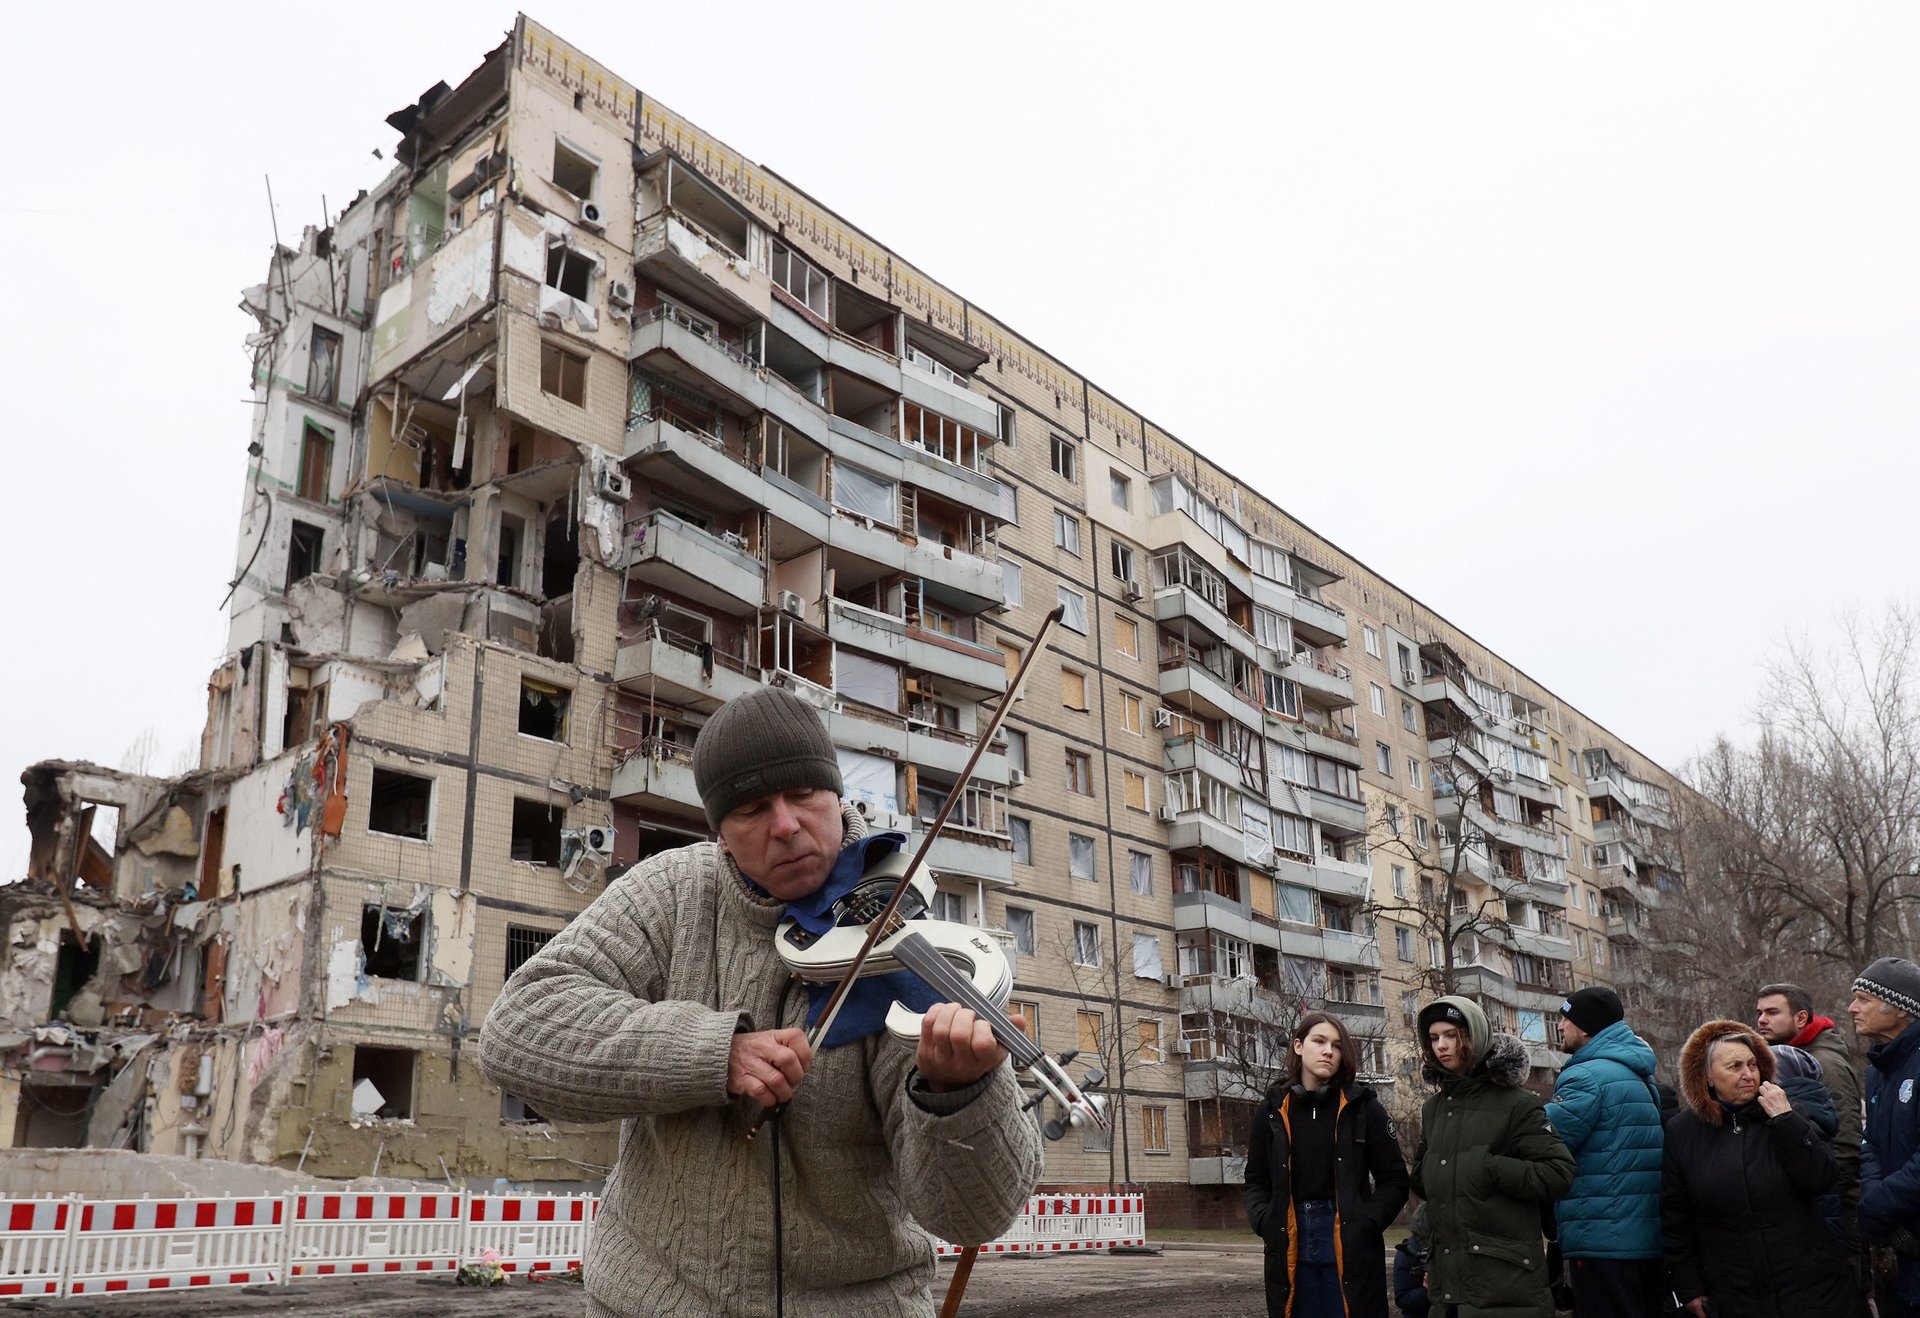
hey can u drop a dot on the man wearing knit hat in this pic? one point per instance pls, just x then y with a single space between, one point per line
1605 1108
664 1005
1886 1012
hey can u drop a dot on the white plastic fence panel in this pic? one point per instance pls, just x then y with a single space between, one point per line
137 1245
1068 1223
530 1232
349 1234
33 1245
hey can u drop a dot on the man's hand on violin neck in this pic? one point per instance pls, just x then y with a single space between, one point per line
956 1048
766 1065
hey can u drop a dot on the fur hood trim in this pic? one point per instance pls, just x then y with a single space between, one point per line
1506 1064
1694 1091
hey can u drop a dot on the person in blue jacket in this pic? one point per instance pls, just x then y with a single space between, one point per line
1606 1109
1886 1012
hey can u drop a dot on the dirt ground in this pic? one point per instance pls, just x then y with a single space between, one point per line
1200 1282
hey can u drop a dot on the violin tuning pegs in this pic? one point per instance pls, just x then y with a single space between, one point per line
1094 1079
1069 1055
1055 1129
1033 1102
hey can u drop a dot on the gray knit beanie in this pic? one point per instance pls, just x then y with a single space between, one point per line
1895 981
759 744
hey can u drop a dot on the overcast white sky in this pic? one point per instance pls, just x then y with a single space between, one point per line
1584 325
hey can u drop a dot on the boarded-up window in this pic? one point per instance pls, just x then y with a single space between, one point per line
1013 654
1029 1014
1087 1026
1126 637
1073 689
563 374
1153 1128
1135 785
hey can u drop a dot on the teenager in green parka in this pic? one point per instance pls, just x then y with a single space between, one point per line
1488 1163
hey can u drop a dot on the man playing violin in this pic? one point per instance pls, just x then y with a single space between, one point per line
664 1005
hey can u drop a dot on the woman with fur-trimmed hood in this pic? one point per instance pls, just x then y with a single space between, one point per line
1740 1187
1488 1164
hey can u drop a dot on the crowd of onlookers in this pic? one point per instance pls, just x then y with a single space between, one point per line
1769 1183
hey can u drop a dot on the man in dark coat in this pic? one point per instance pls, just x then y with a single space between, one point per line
1488 1163
1605 1108
1886 1012
1783 1014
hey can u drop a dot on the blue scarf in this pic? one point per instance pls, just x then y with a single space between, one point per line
865 1010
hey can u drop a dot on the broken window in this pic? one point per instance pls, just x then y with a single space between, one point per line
74 968
560 552
543 710
522 943
574 171
569 271
536 832
515 1110
391 941
306 707
383 1082
316 463
305 544
512 531
212 849
399 804
563 374
323 365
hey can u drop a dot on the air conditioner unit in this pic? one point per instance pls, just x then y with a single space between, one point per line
1168 814
598 839
619 294
612 482
1016 777
1132 590
1502 773
1162 718
734 538
1179 1046
790 602
590 216
1407 675
1173 980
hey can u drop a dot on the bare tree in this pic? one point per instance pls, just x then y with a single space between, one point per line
1102 1029
1802 847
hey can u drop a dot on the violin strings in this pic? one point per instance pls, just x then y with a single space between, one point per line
925 961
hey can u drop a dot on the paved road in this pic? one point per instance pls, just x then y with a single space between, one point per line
1180 1283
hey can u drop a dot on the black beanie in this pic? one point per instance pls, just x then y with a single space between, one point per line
1594 1008
761 743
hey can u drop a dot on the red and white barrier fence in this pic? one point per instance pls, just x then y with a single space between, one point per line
63 1247
1063 1223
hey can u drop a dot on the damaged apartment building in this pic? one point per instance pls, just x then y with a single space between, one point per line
581 424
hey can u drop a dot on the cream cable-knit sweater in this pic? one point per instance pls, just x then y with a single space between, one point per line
629 1013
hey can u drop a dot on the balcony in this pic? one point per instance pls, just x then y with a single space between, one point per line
1175 602
1202 688
673 554
1209 910
1336 745
1196 828
1551 947
441 288
1318 622
1346 948
1363 1018
1449 806
1335 878
1347 815
683 670
674 251
1330 685
961 485
1486 981
663 454
689 352
890 638
658 777
967 853
1189 750
1227 1169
